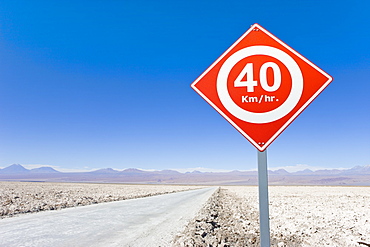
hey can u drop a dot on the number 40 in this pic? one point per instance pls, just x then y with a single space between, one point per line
250 83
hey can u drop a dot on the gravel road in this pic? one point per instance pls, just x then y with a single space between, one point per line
151 221
30 197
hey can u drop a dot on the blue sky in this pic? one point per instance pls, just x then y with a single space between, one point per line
93 84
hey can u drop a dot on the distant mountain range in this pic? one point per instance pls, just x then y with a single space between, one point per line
359 175
19 169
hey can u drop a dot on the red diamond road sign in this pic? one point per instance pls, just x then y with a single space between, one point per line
260 85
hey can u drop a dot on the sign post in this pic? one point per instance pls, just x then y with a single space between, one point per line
263 199
260 85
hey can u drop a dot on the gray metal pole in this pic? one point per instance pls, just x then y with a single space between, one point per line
263 199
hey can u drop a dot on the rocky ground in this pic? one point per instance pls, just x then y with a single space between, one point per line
27 197
299 216
226 220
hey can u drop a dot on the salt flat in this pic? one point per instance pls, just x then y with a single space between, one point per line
150 221
299 216
29 197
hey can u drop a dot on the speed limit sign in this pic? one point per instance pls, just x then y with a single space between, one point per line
260 85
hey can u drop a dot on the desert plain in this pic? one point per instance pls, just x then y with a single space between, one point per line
299 215
31 197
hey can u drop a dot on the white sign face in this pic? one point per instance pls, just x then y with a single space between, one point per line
260 117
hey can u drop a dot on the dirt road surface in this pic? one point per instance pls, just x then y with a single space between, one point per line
151 221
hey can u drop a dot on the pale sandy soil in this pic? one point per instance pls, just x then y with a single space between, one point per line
299 216
143 222
28 197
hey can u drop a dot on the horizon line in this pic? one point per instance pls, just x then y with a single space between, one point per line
289 169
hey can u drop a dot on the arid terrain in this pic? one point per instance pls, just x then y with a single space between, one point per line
299 216
28 197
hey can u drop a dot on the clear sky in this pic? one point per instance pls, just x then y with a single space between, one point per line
95 84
